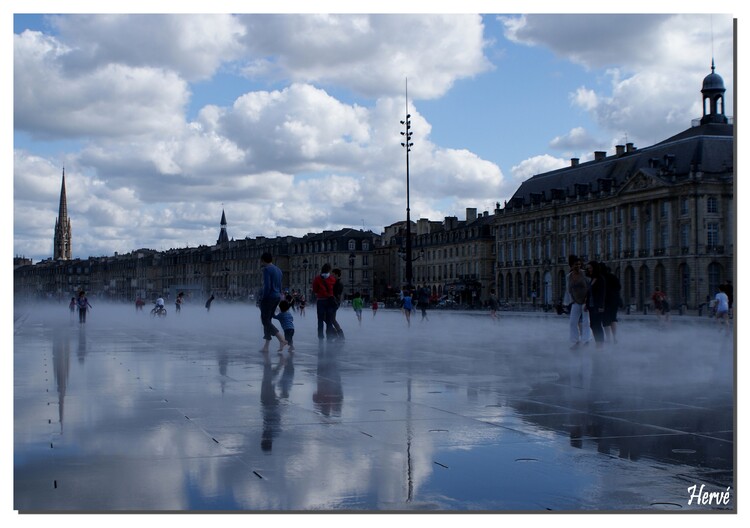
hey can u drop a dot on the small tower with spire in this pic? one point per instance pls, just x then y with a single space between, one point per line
713 98
62 245
223 237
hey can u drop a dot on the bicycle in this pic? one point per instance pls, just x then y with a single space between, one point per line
158 311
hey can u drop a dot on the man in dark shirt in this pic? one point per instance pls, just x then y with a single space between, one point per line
269 300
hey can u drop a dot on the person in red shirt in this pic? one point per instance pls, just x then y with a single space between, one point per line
322 287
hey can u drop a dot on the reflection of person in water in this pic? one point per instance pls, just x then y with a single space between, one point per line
269 405
329 395
287 376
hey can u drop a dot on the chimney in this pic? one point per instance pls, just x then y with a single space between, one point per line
574 162
630 147
599 155
620 150
471 214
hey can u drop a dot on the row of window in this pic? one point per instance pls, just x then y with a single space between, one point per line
328 245
543 249
446 271
445 253
599 218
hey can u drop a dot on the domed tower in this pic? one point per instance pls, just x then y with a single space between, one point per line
223 237
62 246
713 98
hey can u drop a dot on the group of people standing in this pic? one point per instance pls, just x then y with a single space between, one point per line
593 294
326 286
328 290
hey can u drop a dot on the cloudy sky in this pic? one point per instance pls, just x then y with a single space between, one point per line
291 123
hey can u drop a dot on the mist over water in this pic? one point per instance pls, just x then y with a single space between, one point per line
376 414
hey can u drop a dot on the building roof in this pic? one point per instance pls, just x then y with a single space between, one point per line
708 148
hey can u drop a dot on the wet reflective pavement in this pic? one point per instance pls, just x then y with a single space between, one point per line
457 413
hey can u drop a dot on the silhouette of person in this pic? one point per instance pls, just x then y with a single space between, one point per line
269 300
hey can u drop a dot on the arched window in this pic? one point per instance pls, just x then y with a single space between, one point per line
352 245
519 286
684 283
509 283
714 278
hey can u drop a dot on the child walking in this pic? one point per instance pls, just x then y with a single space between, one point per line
357 305
83 305
286 319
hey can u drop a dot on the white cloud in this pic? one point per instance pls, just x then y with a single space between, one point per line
370 54
536 165
576 139
113 100
654 65
191 46
585 98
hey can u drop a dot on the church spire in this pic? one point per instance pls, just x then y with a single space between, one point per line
223 237
62 245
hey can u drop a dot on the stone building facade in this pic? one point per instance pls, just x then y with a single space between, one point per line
661 216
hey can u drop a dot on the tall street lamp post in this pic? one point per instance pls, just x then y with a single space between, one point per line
305 263
352 258
407 144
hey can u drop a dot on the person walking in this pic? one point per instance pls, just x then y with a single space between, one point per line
374 307
722 308
493 304
286 319
577 289
208 303
83 305
658 297
424 301
729 290
338 297
322 287
178 302
72 307
357 305
269 300
407 306
612 302
595 301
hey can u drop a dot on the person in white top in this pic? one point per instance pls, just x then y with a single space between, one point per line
722 307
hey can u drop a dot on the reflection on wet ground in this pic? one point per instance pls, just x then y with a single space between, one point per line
129 413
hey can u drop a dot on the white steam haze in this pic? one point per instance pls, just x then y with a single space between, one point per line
290 122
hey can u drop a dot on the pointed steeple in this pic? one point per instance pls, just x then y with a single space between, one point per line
62 245
223 237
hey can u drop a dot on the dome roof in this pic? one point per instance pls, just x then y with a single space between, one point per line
713 81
